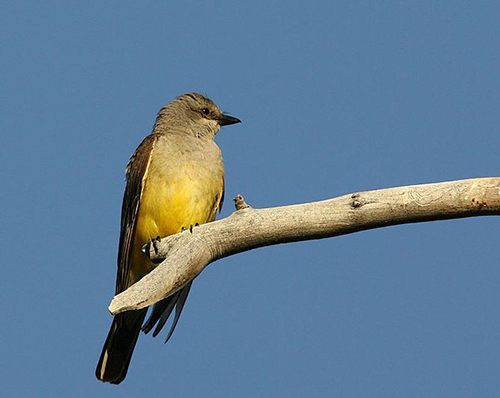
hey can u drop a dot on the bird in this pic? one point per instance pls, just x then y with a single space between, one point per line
174 181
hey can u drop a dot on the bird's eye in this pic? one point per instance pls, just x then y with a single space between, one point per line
205 111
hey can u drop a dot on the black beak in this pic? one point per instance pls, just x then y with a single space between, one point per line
226 120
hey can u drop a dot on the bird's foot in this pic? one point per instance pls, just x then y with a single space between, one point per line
152 244
190 227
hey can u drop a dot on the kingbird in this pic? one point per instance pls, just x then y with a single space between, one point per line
175 180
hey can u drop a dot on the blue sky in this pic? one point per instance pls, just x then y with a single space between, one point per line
335 97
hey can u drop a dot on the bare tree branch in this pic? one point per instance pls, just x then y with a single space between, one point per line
186 254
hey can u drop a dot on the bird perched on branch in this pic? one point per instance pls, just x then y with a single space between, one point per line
175 180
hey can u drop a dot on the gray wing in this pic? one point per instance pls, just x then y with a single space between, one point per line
136 169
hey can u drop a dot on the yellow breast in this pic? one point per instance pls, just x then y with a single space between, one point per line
182 186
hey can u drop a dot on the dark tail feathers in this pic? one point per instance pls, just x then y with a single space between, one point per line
119 346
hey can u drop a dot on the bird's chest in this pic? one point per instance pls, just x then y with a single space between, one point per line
182 187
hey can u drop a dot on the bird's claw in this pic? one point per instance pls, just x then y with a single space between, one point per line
190 227
152 243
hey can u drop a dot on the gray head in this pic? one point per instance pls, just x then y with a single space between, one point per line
193 114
